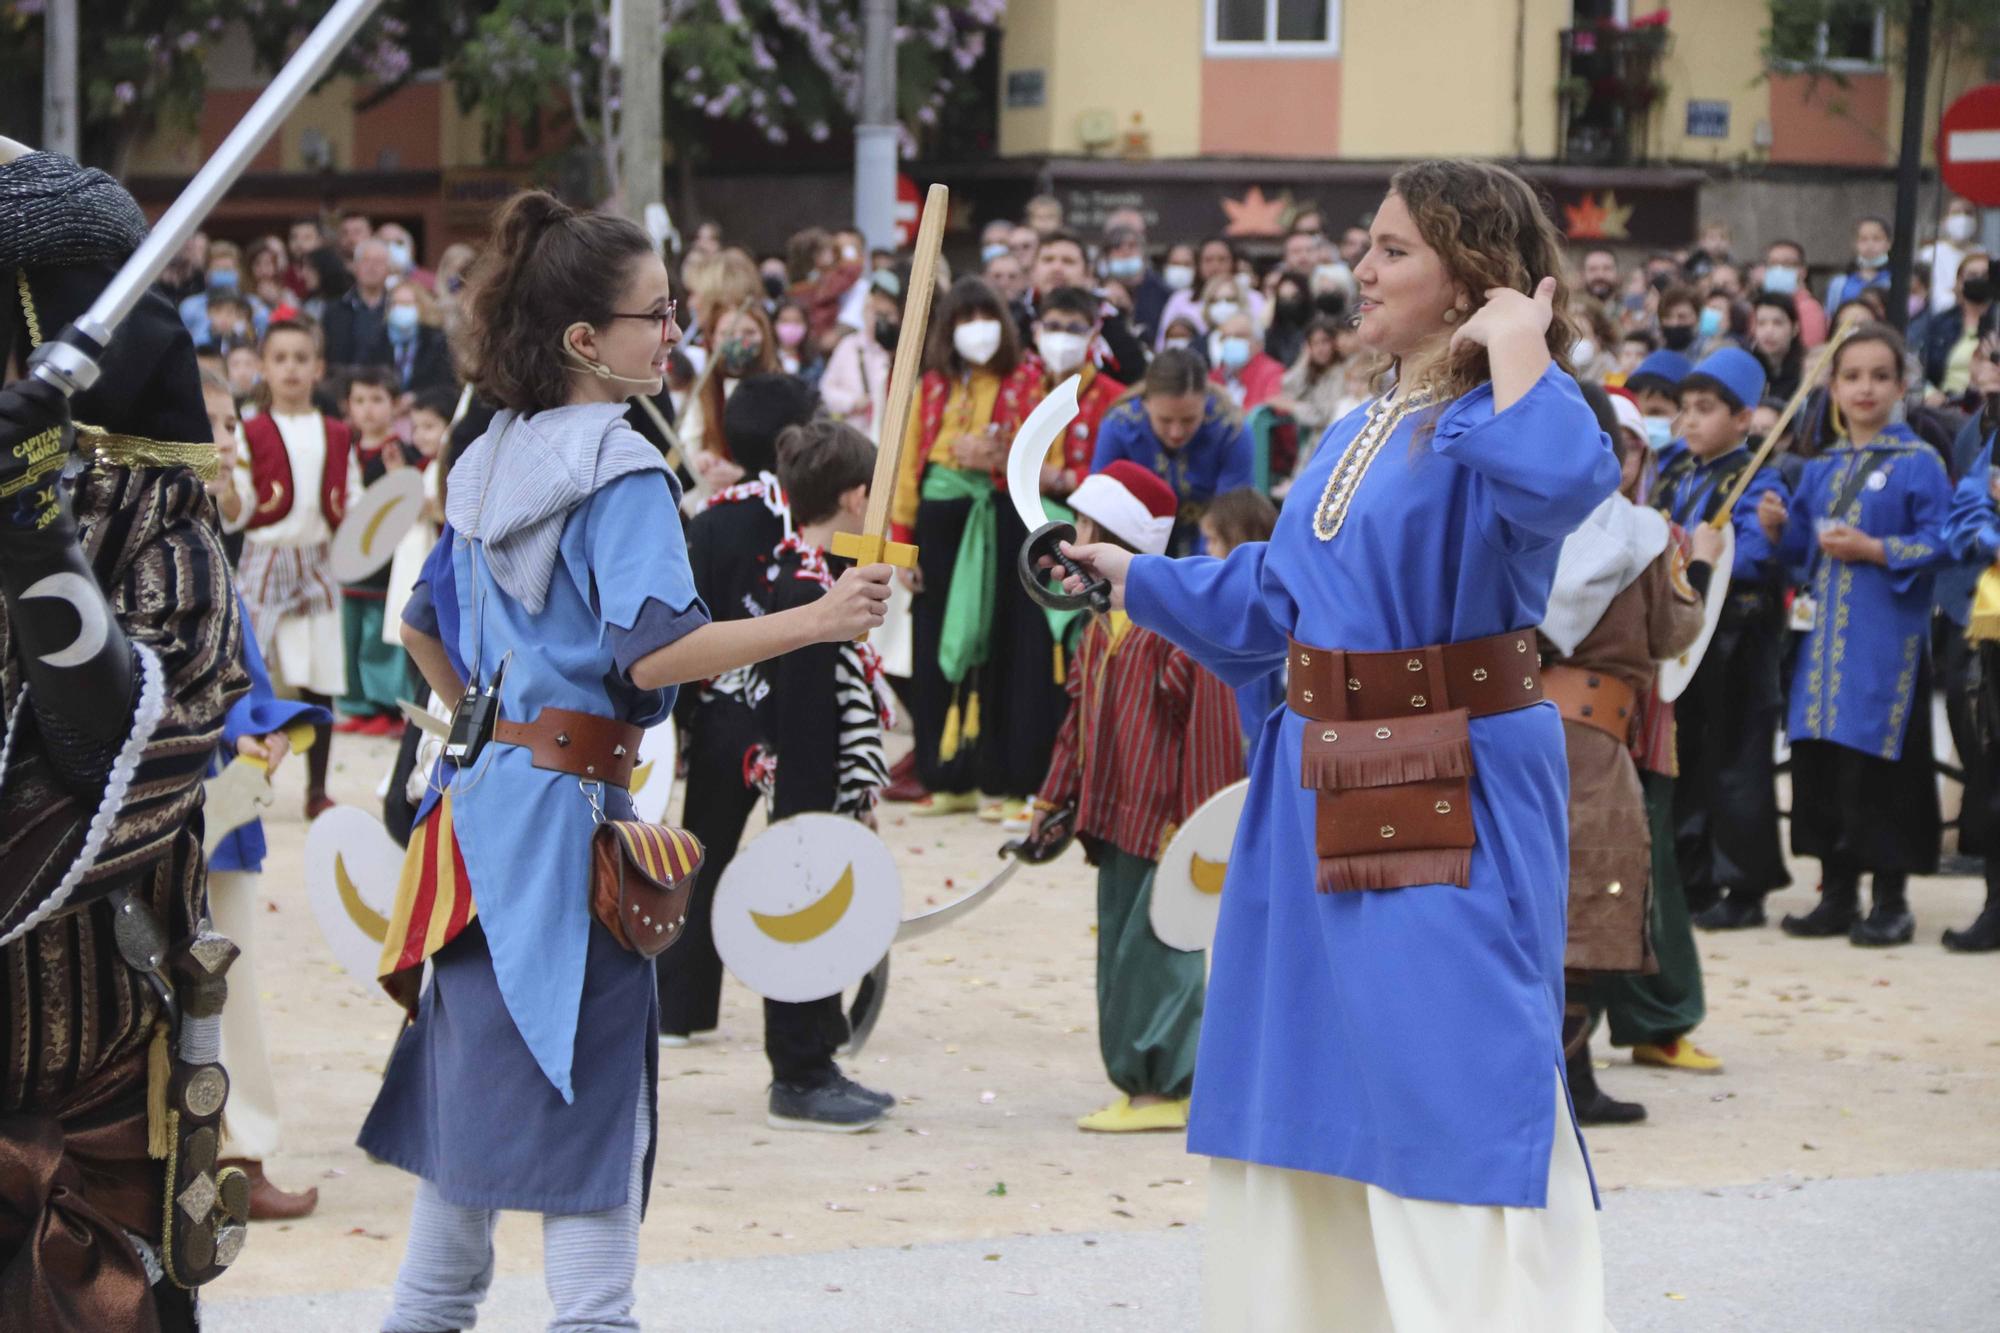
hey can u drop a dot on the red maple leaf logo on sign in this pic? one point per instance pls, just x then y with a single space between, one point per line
1254 215
1593 220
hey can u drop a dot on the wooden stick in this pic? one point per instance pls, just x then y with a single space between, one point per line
1807 383
872 545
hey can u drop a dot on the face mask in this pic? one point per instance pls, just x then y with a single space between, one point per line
402 320
399 256
1871 261
1781 278
1235 352
1125 268
738 356
989 253
1331 275
1659 432
1175 344
1294 310
1978 290
1061 351
886 331
1222 312
774 286
222 280
791 335
1582 352
1711 322
1959 227
976 340
1677 337
1180 277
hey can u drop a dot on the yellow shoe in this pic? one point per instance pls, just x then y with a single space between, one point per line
947 803
994 811
1121 1117
1680 1053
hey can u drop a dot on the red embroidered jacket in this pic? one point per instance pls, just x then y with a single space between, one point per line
1093 400
1017 395
271 471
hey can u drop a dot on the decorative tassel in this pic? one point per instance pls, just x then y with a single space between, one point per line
1322 768
1396 870
948 742
1062 665
159 1071
971 716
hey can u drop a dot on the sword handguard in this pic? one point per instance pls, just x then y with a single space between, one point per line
1045 543
1050 842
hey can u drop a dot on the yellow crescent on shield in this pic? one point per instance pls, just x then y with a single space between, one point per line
639 776
373 924
1206 874
815 918
374 525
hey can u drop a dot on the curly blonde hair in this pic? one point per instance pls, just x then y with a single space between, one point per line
1489 228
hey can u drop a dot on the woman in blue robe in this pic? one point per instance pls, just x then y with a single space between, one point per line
526 1080
1178 426
1866 524
1380 1076
1973 530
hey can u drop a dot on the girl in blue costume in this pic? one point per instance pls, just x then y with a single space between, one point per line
1381 1073
526 1081
1177 425
1867 526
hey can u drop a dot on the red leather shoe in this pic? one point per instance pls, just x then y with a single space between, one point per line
317 804
904 785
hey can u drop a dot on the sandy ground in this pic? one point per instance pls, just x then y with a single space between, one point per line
1841 1062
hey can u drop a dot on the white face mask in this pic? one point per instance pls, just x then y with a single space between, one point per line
1958 228
1061 351
1221 312
976 340
1582 352
1180 277
1175 344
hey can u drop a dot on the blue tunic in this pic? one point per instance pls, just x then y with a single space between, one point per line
258 713
530 1044
1220 457
1403 1037
1686 495
1856 676
1973 526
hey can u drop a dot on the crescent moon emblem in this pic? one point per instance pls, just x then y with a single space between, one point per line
1206 874
84 599
639 778
375 525
813 920
373 924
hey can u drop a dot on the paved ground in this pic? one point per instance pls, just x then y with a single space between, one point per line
1914 1252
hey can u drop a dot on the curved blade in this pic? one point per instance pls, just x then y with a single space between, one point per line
925 922
867 1007
1677 673
1042 429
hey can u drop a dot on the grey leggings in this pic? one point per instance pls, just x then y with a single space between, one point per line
589 1260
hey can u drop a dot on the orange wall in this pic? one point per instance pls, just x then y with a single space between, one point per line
1822 122
1275 108
221 108
405 124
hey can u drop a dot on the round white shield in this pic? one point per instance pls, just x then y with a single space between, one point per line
352 868
375 523
653 776
1677 673
1187 888
807 908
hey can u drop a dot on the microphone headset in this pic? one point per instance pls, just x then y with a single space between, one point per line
581 362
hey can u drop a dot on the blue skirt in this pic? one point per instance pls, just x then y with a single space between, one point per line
464 1105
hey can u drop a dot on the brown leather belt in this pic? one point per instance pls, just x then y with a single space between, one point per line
598 749
1592 699
1482 676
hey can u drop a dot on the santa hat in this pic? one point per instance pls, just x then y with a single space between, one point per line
1130 503
1626 408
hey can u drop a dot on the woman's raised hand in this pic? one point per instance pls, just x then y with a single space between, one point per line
1508 312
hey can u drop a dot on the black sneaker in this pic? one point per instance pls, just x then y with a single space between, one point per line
1738 911
885 1100
1881 929
831 1108
1602 1109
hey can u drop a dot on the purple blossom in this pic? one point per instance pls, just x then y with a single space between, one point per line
126 93
819 131
731 11
188 41
27 9
386 63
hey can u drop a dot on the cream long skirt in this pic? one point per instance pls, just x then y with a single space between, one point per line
252 1118
1296 1252
307 653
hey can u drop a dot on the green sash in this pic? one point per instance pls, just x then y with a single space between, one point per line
967 638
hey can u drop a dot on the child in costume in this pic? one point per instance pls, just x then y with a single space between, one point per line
1974 532
376 675
1867 526
1725 803
297 479
1239 516
822 713
1149 737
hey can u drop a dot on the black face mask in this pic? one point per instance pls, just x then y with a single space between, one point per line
1979 291
1331 304
1295 310
886 333
774 286
1678 337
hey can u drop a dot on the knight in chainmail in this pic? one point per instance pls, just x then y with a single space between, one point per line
120 652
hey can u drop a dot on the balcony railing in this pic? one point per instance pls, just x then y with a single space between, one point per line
1609 91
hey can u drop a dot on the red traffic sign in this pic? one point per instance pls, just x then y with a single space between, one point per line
909 211
1969 146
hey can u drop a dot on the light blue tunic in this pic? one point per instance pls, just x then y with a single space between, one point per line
1404 1037
1856 677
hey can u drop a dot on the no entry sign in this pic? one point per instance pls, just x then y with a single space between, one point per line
1969 146
909 210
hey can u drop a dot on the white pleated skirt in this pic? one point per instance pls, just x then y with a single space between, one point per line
1297 1252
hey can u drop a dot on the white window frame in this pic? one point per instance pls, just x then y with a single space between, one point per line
1270 47
1847 65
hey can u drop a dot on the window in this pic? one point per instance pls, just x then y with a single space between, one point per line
1848 37
1273 27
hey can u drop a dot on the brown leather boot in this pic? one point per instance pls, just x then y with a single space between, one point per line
268 1203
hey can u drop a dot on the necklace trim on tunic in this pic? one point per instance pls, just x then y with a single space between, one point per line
1384 416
